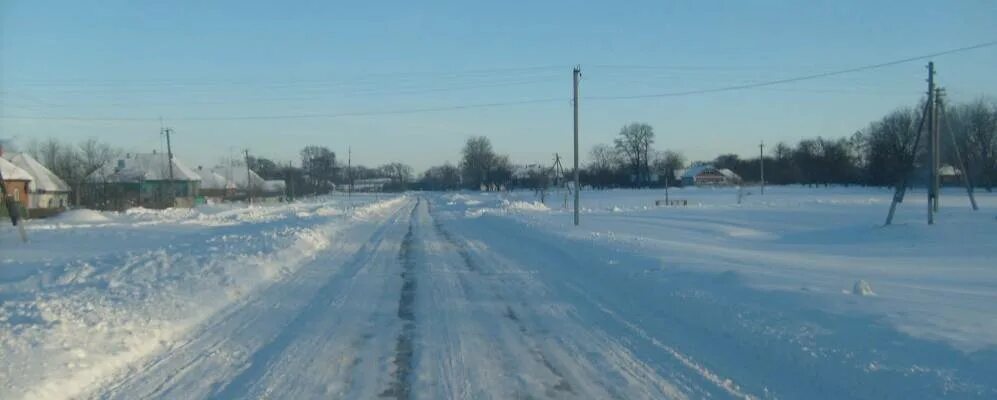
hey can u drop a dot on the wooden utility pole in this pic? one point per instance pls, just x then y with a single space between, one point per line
933 146
576 74
349 174
169 161
249 181
761 163
290 181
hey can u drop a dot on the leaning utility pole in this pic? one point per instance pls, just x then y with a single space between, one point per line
761 163
169 161
939 95
933 146
249 181
576 74
901 189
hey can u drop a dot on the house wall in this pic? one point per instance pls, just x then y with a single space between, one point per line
48 200
18 189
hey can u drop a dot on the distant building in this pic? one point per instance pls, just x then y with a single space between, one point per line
47 193
708 175
142 180
370 185
949 175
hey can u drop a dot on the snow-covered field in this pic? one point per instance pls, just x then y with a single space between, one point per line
798 293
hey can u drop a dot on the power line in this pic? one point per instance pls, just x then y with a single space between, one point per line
523 102
465 74
302 116
799 78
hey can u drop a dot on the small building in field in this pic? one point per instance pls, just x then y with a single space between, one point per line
15 182
214 187
949 175
142 180
708 175
47 193
370 185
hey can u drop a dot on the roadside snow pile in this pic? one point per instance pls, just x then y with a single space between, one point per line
92 300
524 206
82 216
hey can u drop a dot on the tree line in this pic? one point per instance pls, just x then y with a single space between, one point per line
880 154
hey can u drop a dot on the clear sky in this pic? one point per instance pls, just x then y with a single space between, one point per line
220 72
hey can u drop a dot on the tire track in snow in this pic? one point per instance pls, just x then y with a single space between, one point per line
401 384
263 358
553 390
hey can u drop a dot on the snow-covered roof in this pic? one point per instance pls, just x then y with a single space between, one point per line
729 174
211 180
692 171
42 179
13 172
236 173
143 167
948 170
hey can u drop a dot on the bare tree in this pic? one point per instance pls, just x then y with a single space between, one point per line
975 129
477 161
92 156
665 163
890 146
634 144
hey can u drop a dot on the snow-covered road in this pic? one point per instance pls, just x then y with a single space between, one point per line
413 312
435 296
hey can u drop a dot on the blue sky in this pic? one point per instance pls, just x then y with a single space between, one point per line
209 69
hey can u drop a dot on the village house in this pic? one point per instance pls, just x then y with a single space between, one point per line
47 193
215 188
142 180
708 175
246 181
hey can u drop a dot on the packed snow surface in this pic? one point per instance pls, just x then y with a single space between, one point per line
797 293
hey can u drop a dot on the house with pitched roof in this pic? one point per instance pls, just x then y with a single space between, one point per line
148 180
45 191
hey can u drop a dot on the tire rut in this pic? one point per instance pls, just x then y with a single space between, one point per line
401 378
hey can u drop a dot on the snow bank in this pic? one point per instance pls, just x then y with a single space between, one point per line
69 318
81 216
862 288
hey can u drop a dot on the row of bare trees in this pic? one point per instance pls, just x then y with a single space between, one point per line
631 161
883 153
73 162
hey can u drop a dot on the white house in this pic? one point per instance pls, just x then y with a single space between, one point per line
45 190
707 175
